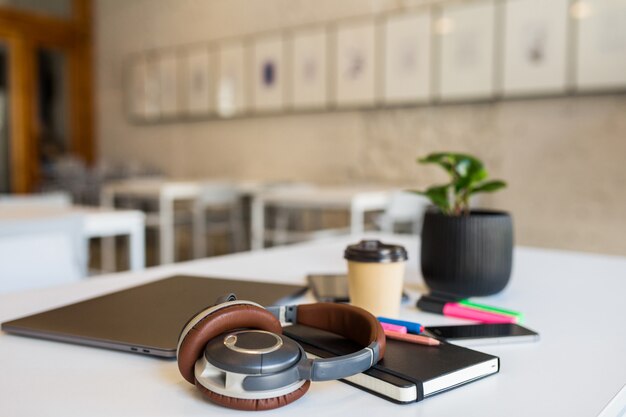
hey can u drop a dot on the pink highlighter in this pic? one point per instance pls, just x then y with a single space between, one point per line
453 309
393 328
460 311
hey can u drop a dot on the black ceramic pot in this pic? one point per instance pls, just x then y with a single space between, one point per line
468 255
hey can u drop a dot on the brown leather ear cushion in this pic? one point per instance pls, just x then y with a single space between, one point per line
254 405
355 323
214 324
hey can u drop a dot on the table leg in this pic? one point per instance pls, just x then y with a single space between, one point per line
107 244
199 229
257 223
137 246
166 229
107 253
357 219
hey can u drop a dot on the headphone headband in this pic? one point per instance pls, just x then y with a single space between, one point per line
351 322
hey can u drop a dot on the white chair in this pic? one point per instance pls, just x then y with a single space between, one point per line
39 252
217 211
48 200
405 208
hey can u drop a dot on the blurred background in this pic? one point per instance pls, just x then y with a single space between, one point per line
228 125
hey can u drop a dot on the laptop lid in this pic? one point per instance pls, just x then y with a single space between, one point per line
145 319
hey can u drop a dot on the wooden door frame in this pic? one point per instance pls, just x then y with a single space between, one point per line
25 33
21 75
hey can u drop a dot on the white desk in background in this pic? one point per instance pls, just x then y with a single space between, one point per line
357 200
98 223
575 300
103 222
166 193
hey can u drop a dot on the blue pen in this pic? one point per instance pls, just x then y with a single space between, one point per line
411 327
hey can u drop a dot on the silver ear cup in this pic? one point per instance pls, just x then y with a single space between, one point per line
250 364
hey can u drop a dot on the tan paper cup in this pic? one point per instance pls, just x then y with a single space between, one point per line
376 276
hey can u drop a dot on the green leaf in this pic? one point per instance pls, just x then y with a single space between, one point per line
438 195
469 171
435 157
488 187
467 176
448 167
459 166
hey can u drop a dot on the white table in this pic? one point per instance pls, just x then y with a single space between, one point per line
357 200
167 192
576 302
103 223
98 223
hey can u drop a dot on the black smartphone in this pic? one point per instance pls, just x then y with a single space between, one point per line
329 288
333 288
483 334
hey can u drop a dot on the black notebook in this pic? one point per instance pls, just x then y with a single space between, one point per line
409 372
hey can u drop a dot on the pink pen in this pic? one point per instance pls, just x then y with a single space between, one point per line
394 328
460 311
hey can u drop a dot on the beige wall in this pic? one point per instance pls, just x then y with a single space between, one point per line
563 157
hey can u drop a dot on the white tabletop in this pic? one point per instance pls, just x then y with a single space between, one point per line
574 300
357 199
177 188
90 213
97 222
327 196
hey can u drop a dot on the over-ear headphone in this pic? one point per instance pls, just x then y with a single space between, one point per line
236 354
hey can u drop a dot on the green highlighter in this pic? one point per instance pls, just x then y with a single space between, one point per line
519 317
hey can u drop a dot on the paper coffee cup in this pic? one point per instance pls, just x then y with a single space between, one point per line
376 276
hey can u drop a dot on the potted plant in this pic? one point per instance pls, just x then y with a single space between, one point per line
464 252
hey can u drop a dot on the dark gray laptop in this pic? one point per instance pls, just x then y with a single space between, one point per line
145 319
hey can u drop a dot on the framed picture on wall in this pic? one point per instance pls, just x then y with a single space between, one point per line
407 58
309 88
535 47
601 53
467 49
268 73
197 86
230 84
152 87
168 84
355 64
